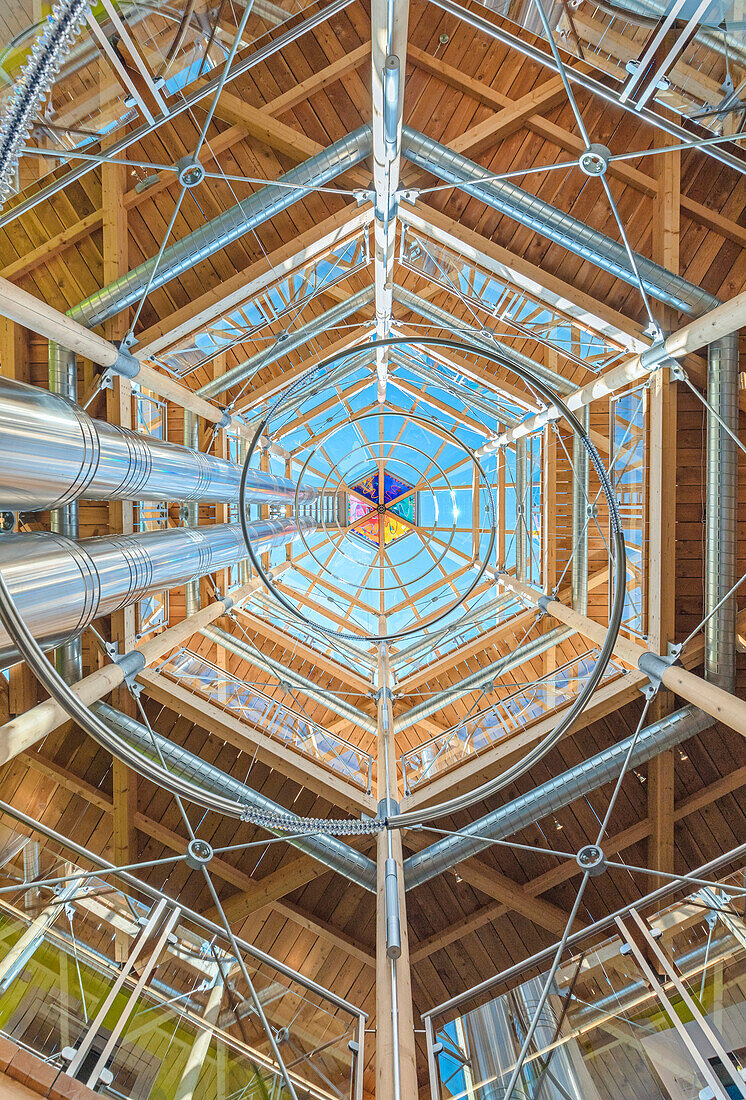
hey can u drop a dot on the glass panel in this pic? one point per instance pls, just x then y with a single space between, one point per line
285 296
514 307
252 705
183 1022
487 728
628 435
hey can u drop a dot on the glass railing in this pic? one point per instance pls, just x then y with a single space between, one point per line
251 705
499 722
656 1011
129 993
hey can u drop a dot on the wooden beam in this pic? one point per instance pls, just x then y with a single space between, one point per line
261 746
569 868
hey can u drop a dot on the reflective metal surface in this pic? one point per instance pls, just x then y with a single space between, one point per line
61 586
52 453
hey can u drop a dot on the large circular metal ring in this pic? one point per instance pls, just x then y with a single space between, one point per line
289 605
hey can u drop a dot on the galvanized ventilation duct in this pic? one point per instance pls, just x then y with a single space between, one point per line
546 220
226 228
721 510
330 851
553 795
52 453
289 342
61 586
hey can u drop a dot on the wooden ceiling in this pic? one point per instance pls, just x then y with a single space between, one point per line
504 112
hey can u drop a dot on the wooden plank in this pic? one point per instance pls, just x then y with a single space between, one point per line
260 745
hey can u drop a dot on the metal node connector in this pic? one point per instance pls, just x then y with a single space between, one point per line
592 860
198 854
594 160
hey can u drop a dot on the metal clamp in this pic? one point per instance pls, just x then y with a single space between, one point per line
130 663
387 807
543 603
656 356
654 665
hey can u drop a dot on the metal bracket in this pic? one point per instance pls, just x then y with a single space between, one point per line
387 807
654 666
543 603
384 693
130 663
656 356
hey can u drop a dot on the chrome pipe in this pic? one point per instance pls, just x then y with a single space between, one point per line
53 453
520 538
580 518
226 228
286 675
546 220
63 380
330 851
553 795
481 679
721 506
288 342
61 586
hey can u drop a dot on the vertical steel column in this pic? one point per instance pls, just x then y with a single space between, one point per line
396 1074
580 517
63 380
521 541
720 513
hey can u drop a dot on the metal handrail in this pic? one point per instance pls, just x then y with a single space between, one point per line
576 938
190 914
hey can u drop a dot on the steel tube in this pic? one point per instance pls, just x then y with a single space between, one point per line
553 795
721 500
52 453
63 380
61 586
559 227
225 228
329 850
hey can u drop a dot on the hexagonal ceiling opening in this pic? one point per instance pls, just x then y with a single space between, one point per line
381 510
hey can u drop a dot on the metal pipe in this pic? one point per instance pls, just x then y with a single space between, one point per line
580 518
329 850
52 453
721 503
226 228
546 220
553 795
521 519
481 679
286 675
63 380
525 44
61 586
288 342
443 319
